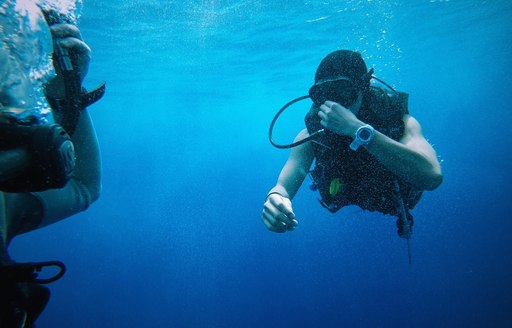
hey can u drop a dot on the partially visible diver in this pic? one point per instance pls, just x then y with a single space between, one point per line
49 156
368 150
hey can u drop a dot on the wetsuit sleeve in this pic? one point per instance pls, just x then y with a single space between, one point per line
25 212
84 187
57 204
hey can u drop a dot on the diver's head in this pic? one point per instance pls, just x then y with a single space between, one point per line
342 77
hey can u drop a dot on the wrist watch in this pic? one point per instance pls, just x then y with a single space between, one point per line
364 135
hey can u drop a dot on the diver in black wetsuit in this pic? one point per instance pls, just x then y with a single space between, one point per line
48 172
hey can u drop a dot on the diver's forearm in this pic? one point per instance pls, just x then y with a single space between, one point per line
84 186
88 162
409 165
288 185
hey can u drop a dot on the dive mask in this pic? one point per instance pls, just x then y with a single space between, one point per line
340 89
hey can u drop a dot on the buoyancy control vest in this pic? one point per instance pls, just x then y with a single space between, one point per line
345 177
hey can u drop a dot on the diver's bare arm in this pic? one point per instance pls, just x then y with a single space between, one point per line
413 158
295 169
277 213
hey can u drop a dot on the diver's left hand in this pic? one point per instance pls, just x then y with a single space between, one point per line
68 37
338 119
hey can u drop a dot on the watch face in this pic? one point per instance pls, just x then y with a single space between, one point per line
365 134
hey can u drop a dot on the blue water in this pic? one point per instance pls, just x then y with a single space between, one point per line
176 238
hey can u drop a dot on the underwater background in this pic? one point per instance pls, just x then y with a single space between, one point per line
176 239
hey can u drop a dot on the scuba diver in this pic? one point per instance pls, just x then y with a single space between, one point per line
368 150
49 154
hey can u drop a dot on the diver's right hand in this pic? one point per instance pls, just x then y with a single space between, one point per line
278 214
68 37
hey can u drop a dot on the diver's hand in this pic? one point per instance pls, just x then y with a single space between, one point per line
338 119
278 214
68 37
